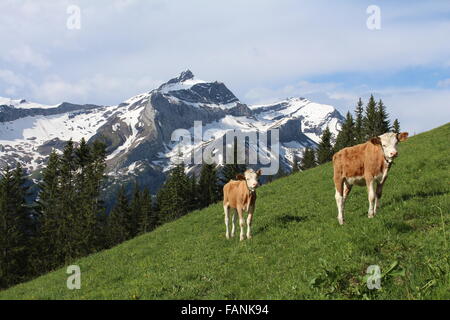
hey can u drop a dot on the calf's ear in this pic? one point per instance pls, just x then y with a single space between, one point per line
259 172
402 136
240 177
376 140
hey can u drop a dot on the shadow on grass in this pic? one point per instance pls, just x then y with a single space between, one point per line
282 221
421 194
400 227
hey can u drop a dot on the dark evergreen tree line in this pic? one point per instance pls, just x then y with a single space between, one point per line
69 220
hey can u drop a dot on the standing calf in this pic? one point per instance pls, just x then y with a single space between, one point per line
365 164
240 195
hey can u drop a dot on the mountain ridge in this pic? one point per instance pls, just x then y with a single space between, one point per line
137 132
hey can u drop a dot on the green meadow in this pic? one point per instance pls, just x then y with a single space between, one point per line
298 250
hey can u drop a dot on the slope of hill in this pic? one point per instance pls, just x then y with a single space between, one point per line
298 250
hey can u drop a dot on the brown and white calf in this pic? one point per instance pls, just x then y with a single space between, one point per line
240 195
365 164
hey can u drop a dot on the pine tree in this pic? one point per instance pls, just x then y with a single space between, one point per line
85 212
173 197
96 179
118 231
23 215
383 123
136 211
370 121
194 192
208 184
14 225
88 218
346 137
295 164
70 224
309 159
325 148
396 126
47 253
82 154
359 125
147 221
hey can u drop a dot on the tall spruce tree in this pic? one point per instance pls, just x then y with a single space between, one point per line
14 225
383 123
325 148
346 137
147 220
70 224
359 125
47 252
85 212
174 196
118 223
88 217
309 159
136 211
396 126
194 191
371 119
96 179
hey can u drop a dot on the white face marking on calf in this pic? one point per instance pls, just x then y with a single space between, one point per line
389 143
251 178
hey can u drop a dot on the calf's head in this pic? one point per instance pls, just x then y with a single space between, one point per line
251 178
388 142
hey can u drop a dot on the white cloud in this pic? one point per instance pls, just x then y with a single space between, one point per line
123 4
10 78
91 90
24 56
299 89
253 46
418 110
444 83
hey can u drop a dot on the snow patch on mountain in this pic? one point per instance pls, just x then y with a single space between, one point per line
24 104
137 131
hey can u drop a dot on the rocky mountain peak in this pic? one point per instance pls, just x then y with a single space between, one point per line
138 132
183 76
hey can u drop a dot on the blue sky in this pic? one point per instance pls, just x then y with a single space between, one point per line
263 51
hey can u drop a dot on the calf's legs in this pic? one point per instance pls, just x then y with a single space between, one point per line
372 198
249 224
342 191
226 210
233 227
378 195
241 223
340 205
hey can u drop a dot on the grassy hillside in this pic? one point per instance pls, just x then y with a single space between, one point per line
298 250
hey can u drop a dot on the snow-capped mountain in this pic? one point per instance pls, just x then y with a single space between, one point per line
138 131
